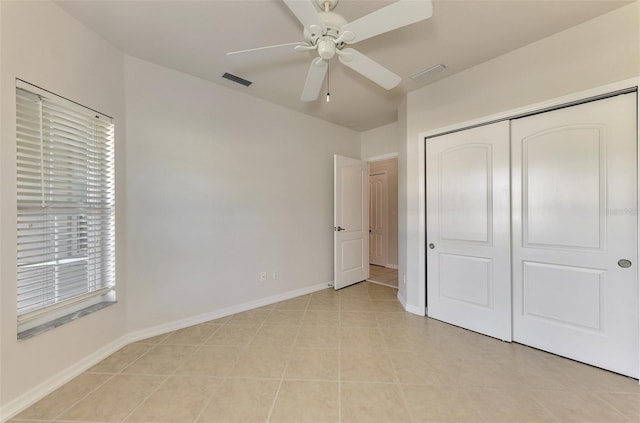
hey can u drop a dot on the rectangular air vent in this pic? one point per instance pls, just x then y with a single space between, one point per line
427 73
236 79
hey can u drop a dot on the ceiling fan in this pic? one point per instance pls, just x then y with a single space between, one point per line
329 33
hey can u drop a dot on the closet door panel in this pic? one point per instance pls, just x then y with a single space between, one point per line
555 163
468 261
574 218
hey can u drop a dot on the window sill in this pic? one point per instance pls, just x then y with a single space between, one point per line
30 333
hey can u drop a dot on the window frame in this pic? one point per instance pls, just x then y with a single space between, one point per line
66 219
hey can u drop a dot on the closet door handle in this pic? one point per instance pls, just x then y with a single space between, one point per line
431 246
624 263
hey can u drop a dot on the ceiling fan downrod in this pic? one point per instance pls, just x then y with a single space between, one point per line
327 5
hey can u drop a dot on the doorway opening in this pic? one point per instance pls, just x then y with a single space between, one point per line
383 276
383 221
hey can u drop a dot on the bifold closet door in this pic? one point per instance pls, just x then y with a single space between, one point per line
575 217
468 236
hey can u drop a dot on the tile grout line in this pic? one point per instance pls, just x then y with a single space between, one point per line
403 398
112 376
185 359
601 398
575 392
397 383
226 377
545 408
208 401
286 366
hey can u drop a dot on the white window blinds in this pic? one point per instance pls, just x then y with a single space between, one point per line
66 214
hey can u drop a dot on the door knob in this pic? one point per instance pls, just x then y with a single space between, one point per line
431 246
624 263
340 229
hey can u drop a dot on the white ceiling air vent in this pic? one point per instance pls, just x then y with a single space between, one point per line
428 73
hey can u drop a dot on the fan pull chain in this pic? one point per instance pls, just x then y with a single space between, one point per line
328 95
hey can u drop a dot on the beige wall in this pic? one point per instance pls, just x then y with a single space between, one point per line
44 46
379 141
598 52
220 187
390 166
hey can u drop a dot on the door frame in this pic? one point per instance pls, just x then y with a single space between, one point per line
628 85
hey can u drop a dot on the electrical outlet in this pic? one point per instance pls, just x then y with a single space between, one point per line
263 276
275 275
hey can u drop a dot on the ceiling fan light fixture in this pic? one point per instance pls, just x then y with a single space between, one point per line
428 73
326 49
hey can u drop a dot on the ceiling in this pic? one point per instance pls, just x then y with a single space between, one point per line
193 37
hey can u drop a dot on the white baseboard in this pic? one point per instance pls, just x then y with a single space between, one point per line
415 310
217 314
29 398
34 395
409 307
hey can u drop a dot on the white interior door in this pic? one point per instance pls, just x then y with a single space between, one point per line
378 220
468 259
574 218
351 221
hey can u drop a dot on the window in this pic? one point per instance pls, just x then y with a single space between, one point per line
66 213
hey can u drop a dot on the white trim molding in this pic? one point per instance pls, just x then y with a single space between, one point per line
410 308
381 157
534 108
227 311
24 401
415 310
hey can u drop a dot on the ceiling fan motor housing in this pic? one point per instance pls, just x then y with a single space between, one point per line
333 22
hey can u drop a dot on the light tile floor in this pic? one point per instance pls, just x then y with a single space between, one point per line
383 275
346 356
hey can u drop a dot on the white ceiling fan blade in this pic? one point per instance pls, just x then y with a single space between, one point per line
307 14
393 16
251 50
369 68
315 78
